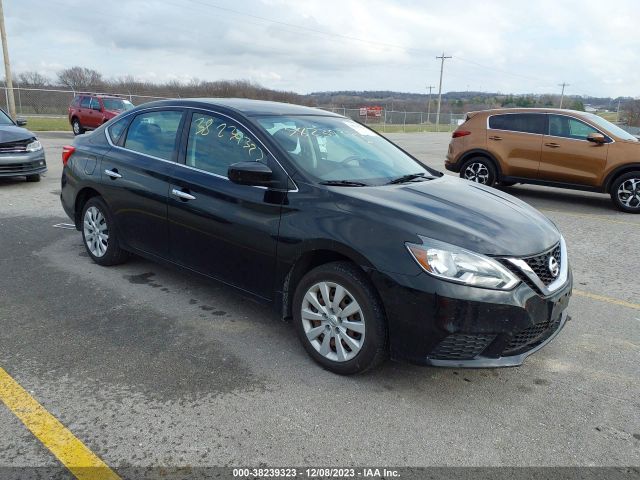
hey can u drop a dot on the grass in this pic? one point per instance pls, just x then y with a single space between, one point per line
611 116
42 124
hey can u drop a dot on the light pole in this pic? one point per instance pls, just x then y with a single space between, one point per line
430 87
442 58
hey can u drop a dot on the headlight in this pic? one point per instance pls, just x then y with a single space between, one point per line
456 264
34 146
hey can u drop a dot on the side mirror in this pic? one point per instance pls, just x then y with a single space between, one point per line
596 138
250 173
21 121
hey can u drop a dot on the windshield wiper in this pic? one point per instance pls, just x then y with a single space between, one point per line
344 183
406 178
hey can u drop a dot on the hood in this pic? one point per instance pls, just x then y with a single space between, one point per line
12 133
463 213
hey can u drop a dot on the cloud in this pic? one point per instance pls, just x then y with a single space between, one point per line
338 44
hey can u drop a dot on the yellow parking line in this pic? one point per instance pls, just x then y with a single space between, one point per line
604 298
73 454
600 218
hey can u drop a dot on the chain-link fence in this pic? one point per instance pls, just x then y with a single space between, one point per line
402 121
54 102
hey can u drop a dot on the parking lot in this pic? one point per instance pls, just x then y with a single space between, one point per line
150 366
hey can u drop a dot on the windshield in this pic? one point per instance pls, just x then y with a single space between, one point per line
117 104
339 150
4 119
610 127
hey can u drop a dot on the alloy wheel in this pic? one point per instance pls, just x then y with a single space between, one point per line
333 321
477 172
629 193
96 231
76 127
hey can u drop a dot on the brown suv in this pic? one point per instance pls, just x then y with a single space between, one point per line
558 148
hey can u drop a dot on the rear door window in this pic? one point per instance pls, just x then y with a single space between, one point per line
95 103
568 127
519 122
154 133
216 142
85 102
116 130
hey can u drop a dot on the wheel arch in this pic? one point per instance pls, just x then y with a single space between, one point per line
621 170
315 255
479 152
82 198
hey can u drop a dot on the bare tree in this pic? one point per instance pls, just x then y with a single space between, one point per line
33 80
631 112
80 78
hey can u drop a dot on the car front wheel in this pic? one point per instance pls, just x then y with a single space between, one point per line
99 235
625 192
479 170
339 319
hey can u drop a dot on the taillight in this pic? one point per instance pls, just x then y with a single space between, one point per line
67 151
460 133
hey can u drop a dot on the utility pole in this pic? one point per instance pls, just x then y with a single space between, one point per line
563 84
430 87
442 58
7 67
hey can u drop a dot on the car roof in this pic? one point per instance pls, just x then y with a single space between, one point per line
245 106
496 111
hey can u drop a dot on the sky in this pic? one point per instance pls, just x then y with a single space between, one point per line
307 46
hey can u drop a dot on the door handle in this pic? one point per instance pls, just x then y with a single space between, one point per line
495 137
552 145
182 195
113 173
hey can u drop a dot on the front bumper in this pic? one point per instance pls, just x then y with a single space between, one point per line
18 164
433 322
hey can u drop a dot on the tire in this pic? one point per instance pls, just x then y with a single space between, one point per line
97 219
347 344
33 178
479 170
76 127
625 192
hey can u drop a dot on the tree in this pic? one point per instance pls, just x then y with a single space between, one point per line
631 113
577 105
80 78
33 80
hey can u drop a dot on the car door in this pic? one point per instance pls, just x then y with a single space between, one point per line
83 111
567 155
516 140
216 227
94 115
135 178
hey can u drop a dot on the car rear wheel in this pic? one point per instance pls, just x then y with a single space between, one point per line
479 170
625 192
99 235
339 319
33 178
76 127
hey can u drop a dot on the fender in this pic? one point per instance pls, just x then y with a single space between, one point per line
611 176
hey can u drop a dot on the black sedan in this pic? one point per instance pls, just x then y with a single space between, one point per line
21 154
369 252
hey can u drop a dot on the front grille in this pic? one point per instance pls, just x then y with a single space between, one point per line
532 335
461 346
540 264
15 147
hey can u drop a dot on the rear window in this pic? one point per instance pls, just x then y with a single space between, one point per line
519 122
75 102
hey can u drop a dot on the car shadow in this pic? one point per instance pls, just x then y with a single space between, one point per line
553 198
